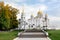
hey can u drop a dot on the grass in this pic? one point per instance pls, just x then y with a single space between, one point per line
54 34
8 35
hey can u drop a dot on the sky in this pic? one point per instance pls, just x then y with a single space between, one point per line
51 7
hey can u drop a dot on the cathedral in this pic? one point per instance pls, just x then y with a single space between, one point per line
38 22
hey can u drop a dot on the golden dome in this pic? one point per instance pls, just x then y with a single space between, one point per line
40 12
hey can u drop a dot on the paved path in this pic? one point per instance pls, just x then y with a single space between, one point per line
29 35
31 38
32 35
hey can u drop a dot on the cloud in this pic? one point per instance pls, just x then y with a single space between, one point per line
52 18
20 0
52 6
41 0
54 22
32 9
53 1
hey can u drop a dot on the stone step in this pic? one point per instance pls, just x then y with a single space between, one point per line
32 35
32 38
33 30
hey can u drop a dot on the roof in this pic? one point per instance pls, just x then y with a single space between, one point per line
40 12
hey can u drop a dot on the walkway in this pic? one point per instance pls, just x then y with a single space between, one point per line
32 35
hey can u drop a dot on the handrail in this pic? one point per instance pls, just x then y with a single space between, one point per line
46 33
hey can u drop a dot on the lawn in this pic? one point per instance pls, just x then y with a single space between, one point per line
54 34
10 35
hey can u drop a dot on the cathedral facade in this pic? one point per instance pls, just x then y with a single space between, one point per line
38 22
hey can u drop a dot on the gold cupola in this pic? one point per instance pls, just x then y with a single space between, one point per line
40 13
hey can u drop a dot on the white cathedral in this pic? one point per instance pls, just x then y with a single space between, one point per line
38 22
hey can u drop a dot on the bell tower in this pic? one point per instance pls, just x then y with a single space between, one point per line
22 24
45 22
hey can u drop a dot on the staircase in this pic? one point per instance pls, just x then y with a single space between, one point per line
33 34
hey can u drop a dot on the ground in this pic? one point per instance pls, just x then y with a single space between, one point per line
10 35
54 34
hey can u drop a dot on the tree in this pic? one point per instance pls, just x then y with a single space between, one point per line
8 17
14 22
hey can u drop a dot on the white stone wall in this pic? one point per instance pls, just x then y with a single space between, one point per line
36 21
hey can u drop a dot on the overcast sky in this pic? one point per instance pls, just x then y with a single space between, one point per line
51 7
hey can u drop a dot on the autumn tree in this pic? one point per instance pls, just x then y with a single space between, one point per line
8 17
